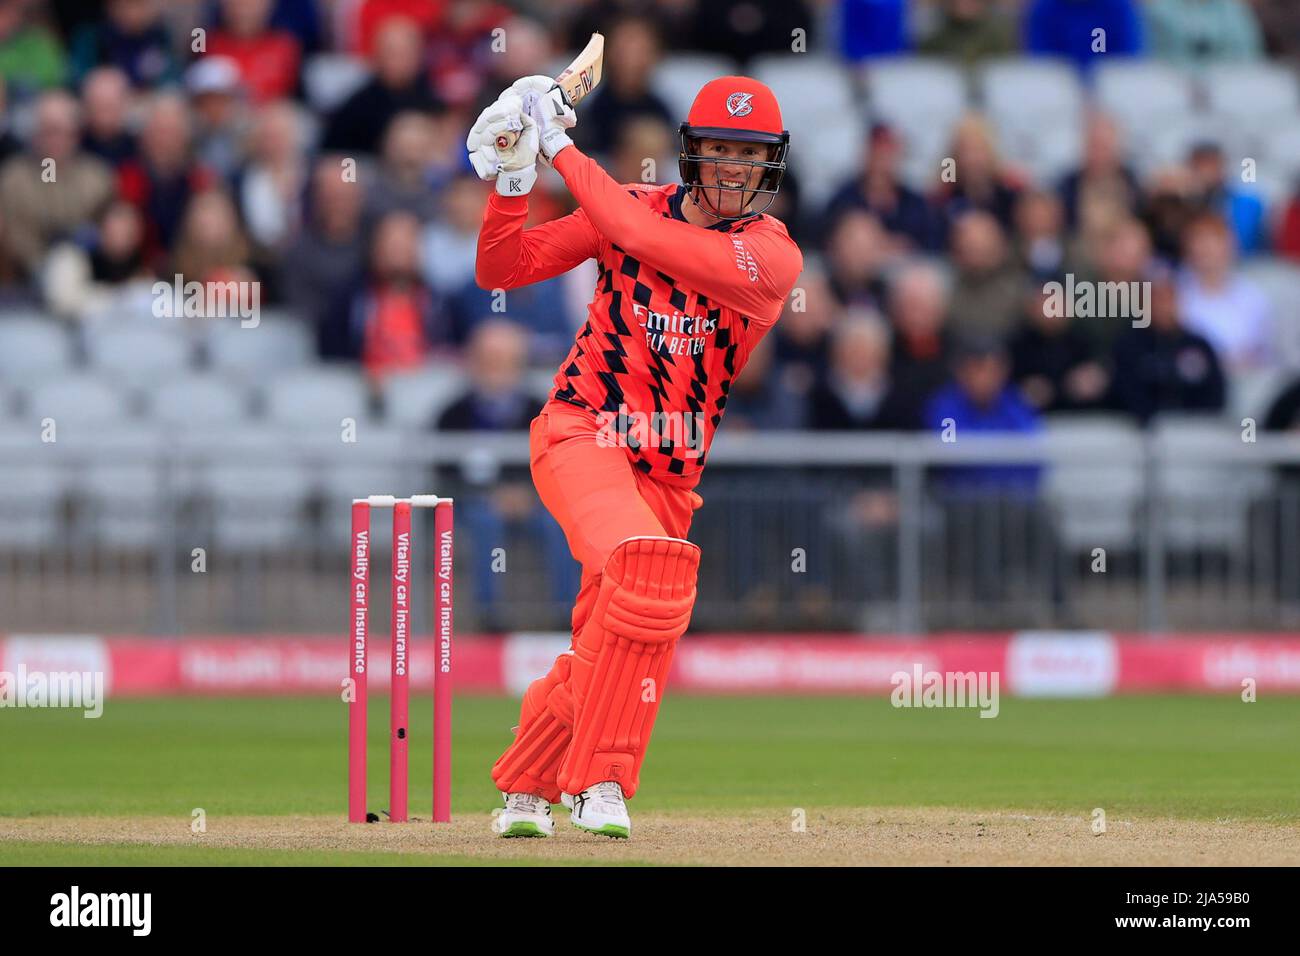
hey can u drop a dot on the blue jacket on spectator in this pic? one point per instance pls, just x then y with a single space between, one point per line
1065 28
872 28
1008 413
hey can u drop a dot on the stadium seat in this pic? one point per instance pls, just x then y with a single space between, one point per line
80 403
1024 98
124 504
678 77
921 99
318 399
1170 140
275 344
257 507
1255 92
823 113
198 400
330 78
1206 494
160 348
1139 93
34 348
1097 502
1280 281
31 499
416 399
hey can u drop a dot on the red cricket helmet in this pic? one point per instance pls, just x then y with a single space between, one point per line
735 108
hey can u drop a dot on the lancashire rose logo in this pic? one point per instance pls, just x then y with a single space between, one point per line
738 104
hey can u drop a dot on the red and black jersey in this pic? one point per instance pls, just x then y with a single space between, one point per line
677 311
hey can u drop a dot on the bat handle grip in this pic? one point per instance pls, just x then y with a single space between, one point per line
506 141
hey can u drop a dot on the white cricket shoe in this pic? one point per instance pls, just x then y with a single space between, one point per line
600 809
525 815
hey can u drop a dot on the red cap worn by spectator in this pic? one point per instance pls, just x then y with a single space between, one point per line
735 108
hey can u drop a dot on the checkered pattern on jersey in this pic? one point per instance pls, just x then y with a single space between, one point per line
617 363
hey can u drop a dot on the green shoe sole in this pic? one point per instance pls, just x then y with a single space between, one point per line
523 828
611 830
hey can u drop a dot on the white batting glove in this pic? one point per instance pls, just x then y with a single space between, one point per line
545 103
506 115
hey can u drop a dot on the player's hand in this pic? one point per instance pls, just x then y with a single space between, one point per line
513 169
545 103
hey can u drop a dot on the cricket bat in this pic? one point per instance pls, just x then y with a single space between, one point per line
577 80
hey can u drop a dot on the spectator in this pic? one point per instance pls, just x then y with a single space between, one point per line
270 188
857 251
982 399
760 399
302 18
918 311
450 241
31 58
106 101
802 336
325 263
464 48
631 53
645 138
399 84
741 29
1042 247
268 58
1287 240
1054 362
987 294
400 181
9 144
970 31
391 323
1213 190
371 15
210 245
39 212
220 119
1167 208
1122 255
1103 173
498 401
1165 367
132 38
880 190
166 177
1196 32
1070 29
539 308
1279 21
856 393
108 276
528 53
982 181
1221 304
867 28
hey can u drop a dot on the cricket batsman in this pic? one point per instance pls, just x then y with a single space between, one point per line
691 277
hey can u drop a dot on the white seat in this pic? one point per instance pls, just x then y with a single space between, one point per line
1097 502
1138 93
678 78
34 348
125 507
1254 91
257 506
199 400
78 405
907 91
824 116
1206 496
155 349
31 499
328 79
416 399
1025 97
1280 281
275 344
318 398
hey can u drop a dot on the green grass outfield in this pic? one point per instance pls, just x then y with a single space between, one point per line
1194 757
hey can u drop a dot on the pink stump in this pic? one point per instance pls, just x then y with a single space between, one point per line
442 670
358 632
401 687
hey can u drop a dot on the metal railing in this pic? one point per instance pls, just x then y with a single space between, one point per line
183 533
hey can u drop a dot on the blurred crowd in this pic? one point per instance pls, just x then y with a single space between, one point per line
316 147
